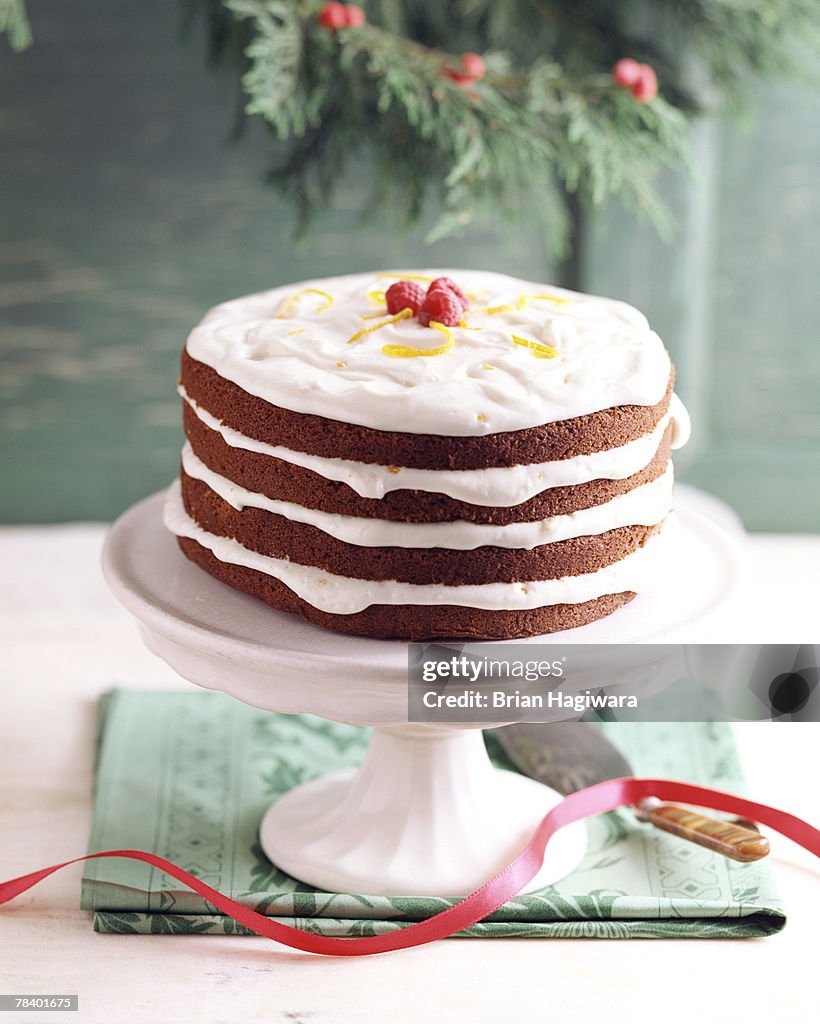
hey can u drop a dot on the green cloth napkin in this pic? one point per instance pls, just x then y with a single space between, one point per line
188 775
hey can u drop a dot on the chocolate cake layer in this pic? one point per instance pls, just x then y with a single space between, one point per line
409 622
274 535
317 435
284 481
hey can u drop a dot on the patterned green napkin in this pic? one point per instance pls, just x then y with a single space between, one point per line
189 775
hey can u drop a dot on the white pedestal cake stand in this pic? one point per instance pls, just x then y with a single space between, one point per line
426 813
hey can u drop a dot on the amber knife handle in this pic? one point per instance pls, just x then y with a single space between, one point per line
724 837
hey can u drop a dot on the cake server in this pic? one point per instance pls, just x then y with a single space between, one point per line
569 756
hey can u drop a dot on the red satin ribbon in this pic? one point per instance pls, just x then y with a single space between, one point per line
606 796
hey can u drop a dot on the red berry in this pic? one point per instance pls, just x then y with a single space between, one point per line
354 16
473 65
449 284
646 88
443 306
332 16
474 70
404 295
626 73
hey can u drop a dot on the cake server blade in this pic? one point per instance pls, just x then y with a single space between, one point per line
569 756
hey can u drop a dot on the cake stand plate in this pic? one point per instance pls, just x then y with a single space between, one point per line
426 813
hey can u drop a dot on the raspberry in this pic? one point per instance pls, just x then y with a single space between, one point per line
443 306
448 284
626 73
646 87
333 16
404 295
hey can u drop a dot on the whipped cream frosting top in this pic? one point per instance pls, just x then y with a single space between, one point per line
290 347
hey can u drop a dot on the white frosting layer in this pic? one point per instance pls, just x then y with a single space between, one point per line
681 423
607 356
344 596
642 506
495 487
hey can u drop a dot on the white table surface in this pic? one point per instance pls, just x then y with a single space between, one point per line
64 640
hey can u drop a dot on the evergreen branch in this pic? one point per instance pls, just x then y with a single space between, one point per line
332 97
273 81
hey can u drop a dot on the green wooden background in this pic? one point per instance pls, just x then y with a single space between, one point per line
124 215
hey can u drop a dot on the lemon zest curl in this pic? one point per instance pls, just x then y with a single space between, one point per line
524 299
407 277
289 302
537 349
492 310
405 313
409 351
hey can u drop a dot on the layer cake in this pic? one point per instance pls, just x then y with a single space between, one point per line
503 474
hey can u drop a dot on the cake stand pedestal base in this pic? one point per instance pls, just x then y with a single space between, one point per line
426 814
